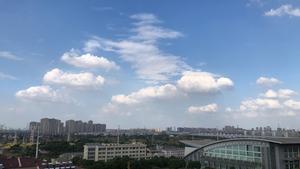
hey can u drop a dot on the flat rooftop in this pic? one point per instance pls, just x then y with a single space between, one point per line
197 143
115 144
276 140
281 140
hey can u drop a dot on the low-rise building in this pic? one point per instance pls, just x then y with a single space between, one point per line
169 152
106 152
247 153
174 152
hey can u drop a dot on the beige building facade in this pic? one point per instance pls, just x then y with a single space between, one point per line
105 152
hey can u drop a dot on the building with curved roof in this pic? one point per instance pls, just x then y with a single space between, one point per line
246 153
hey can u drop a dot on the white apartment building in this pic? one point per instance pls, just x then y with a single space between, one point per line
106 152
179 153
168 152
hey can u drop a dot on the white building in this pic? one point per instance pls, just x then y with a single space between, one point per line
176 152
169 152
106 152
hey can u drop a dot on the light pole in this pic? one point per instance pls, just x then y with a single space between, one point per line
37 143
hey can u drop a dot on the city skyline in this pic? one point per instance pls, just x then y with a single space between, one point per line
195 64
72 126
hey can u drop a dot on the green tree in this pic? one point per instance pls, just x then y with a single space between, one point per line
194 165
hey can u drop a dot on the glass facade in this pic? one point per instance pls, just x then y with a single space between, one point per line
294 164
292 156
291 151
283 153
241 152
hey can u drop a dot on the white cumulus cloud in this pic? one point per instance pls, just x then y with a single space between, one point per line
203 82
210 108
259 104
267 81
153 92
281 93
40 93
271 103
88 61
292 104
284 10
81 80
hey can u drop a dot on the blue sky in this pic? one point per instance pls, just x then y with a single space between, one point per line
151 63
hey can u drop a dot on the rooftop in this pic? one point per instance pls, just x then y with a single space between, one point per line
197 143
280 140
276 140
13 163
114 144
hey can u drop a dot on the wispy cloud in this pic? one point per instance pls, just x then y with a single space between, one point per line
142 51
7 76
283 10
9 55
102 8
256 3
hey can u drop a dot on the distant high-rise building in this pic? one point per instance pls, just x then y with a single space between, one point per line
33 128
70 126
73 126
34 125
90 126
51 126
98 128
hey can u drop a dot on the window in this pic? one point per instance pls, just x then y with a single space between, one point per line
249 153
236 152
249 148
257 148
91 149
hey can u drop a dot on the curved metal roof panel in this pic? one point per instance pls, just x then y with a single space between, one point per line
275 140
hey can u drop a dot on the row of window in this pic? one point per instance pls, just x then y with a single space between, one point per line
124 152
226 166
121 148
242 147
112 150
121 152
235 157
238 152
291 151
111 156
235 152
292 164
